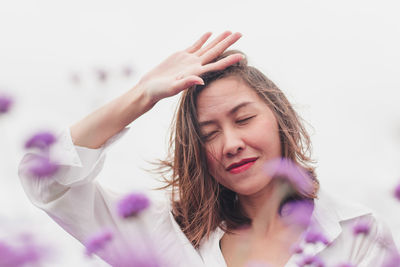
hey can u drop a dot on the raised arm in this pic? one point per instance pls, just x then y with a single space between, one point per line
175 74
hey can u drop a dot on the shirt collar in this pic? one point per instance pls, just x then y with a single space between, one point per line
330 210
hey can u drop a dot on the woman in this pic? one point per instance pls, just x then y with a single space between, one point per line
227 208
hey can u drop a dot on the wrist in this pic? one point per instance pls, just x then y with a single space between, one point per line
137 101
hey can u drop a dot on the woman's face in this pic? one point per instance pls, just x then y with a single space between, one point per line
240 134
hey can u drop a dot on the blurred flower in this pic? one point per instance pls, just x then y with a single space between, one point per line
361 227
75 78
311 260
297 212
314 237
102 75
5 103
127 71
393 260
296 249
21 255
98 242
141 254
132 204
397 192
298 178
41 140
41 166
346 265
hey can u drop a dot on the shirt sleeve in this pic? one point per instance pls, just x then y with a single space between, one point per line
79 204
77 166
71 196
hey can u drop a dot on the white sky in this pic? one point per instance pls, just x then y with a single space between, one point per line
338 62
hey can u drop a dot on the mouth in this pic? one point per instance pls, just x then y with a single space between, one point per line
241 166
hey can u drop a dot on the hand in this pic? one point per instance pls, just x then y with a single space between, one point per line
182 69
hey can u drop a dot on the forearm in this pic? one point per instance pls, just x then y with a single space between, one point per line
96 128
175 74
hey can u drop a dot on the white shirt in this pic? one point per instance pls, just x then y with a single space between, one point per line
83 207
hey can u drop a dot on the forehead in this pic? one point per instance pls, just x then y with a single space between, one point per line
224 94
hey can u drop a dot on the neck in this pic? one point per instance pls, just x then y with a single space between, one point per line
263 206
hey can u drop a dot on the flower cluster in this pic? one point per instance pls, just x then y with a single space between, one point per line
397 192
40 164
309 260
361 228
21 254
98 241
141 255
5 103
297 212
313 237
296 176
41 140
102 75
346 265
393 260
132 204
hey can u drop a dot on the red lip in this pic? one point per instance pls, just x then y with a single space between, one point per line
240 163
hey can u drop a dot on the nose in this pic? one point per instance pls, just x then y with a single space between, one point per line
233 143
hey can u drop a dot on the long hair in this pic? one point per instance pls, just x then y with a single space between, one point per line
199 203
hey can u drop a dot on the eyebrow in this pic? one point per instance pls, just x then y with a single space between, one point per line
231 112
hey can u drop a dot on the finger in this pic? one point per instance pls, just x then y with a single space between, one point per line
220 48
223 63
199 43
186 82
221 37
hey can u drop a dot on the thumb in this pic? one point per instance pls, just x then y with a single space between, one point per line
187 82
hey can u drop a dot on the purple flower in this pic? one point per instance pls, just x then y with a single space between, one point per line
127 71
75 78
361 227
346 265
98 242
314 237
393 260
397 192
26 253
311 260
132 204
296 249
41 166
102 75
297 212
41 140
282 168
5 103
140 255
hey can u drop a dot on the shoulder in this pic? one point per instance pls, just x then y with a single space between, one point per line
349 213
356 232
341 208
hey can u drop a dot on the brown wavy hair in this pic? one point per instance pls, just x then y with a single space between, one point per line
199 203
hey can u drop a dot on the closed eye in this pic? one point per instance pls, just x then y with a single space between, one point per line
245 120
208 136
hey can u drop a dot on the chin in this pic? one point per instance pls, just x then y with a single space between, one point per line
248 190
251 186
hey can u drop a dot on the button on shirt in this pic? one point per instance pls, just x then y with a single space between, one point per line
80 205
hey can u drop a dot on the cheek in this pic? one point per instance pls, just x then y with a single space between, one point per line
266 136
